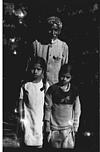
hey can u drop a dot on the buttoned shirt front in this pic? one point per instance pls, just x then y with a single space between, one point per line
55 55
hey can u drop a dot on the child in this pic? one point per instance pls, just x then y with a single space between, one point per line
62 111
32 102
53 50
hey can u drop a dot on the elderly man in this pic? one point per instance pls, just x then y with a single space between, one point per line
55 52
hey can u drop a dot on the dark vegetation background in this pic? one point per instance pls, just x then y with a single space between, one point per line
23 21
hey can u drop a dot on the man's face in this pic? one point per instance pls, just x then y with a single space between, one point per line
37 71
65 78
53 31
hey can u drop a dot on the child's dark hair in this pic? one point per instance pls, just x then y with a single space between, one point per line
66 68
36 60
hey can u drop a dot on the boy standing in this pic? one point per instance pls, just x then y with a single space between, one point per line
62 111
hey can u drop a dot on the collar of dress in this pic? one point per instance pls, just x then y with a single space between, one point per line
66 88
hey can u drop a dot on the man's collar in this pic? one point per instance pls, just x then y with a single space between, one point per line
54 41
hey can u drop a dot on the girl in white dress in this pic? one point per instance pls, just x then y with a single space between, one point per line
31 103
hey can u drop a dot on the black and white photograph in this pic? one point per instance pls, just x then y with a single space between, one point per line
50 66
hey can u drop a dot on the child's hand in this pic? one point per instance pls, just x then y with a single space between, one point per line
49 136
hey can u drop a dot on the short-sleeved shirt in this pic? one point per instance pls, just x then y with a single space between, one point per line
62 108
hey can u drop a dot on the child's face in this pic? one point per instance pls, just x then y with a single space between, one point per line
37 71
65 78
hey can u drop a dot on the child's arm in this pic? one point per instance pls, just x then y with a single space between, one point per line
47 111
77 113
21 109
20 126
21 105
